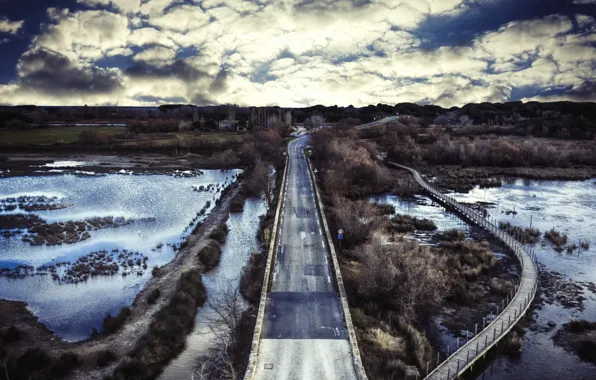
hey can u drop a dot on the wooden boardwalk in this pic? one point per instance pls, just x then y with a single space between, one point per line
474 348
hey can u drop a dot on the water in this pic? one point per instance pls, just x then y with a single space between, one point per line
569 207
241 241
161 206
425 208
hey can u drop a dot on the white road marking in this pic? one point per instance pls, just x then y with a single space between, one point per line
328 279
336 331
320 233
323 244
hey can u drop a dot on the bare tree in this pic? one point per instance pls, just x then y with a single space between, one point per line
227 308
288 118
315 121
260 181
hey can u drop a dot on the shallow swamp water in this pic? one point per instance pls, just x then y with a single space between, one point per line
162 210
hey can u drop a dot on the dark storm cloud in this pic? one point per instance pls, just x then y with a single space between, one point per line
55 73
202 100
586 92
219 83
178 69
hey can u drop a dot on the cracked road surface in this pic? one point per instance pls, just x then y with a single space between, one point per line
304 333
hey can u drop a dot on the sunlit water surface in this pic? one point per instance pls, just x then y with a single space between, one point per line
162 207
569 207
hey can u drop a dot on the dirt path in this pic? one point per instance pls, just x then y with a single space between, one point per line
35 334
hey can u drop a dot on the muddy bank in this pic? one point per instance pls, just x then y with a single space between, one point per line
464 179
569 293
142 311
97 164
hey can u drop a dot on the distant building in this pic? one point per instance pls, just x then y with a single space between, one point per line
227 124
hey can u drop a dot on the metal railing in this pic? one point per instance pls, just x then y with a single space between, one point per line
513 308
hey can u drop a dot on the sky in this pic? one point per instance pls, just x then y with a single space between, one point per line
296 53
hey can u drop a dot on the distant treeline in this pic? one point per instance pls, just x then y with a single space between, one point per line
577 120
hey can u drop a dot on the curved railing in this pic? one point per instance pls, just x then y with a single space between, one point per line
513 308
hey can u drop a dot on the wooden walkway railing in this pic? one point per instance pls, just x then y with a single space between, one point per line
511 311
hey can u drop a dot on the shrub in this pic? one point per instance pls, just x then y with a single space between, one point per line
251 280
523 235
219 234
407 223
65 363
12 334
556 237
385 209
156 272
153 296
210 254
167 331
34 359
452 235
580 325
513 344
586 350
112 324
104 357
500 287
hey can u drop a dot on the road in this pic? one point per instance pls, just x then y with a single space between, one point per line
304 333
378 122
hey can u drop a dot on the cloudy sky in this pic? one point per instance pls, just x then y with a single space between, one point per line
296 52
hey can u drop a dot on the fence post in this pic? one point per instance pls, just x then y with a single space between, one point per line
457 368
494 333
427 368
468 356
476 329
438 353
476 348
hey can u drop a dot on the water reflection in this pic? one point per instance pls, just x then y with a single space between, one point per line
424 207
161 206
569 207
241 241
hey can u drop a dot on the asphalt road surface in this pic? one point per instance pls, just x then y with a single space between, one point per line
304 333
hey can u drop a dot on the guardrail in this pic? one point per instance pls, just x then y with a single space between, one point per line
513 308
256 340
357 360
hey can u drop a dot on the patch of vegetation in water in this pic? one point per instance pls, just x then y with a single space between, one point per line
523 235
578 336
39 232
100 263
32 203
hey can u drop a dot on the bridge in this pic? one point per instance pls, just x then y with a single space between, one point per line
511 311
304 328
